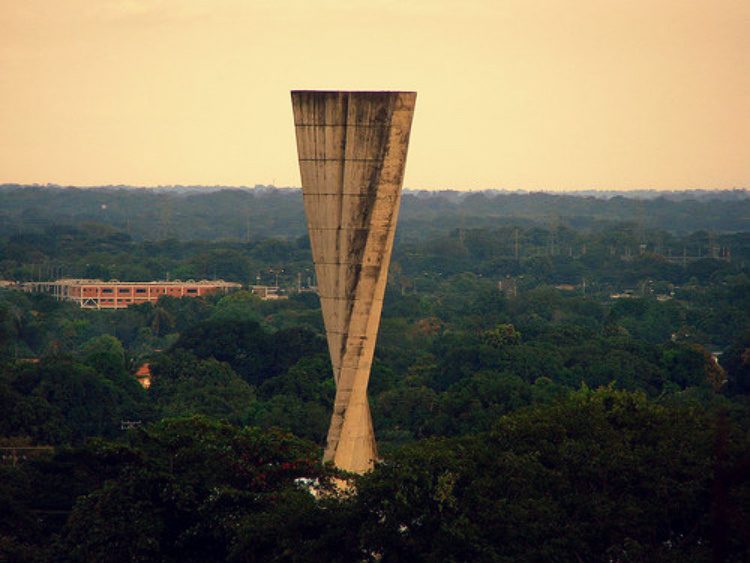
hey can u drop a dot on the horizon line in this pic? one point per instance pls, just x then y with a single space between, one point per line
409 189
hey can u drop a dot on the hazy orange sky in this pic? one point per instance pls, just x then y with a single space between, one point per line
517 94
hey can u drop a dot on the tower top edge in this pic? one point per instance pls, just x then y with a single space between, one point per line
336 92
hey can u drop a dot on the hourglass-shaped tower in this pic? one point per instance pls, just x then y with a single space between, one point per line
352 151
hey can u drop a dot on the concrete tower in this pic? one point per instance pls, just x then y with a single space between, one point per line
352 151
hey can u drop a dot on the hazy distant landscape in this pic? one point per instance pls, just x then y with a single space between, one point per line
210 213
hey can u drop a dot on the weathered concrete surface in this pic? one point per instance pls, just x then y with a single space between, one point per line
352 152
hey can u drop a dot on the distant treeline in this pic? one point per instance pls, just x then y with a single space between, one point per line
205 213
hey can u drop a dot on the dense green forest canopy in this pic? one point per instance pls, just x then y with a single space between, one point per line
540 392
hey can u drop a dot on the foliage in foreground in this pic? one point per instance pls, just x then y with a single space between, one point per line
600 475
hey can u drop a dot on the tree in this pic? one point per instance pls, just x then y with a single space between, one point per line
88 404
244 345
501 335
199 491
600 475
106 355
184 385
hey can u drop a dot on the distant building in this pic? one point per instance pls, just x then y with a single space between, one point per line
143 375
113 294
626 294
268 292
566 287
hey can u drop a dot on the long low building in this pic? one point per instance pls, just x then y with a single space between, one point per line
113 294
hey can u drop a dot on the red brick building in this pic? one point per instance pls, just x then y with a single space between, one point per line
98 294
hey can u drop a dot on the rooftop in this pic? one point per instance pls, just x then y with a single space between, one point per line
76 281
